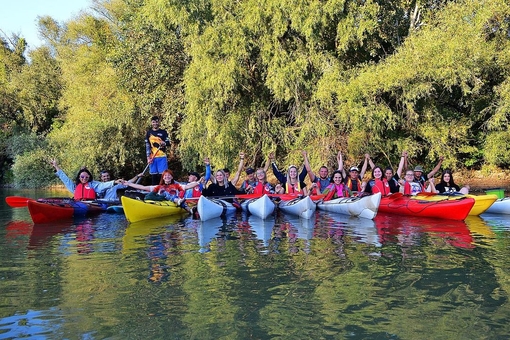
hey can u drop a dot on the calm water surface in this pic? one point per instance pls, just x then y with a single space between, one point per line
329 278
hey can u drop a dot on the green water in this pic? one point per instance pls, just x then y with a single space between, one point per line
332 277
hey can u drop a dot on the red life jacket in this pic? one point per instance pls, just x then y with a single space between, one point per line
84 192
261 189
172 189
381 186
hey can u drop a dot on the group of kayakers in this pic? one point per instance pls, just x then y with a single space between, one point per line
339 184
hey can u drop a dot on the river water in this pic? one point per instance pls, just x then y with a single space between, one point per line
332 277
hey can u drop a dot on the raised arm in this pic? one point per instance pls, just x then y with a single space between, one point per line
311 175
436 168
403 162
372 165
268 162
279 176
365 166
207 170
235 179
340 162
68 183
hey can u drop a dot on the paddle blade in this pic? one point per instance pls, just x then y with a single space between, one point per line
17 201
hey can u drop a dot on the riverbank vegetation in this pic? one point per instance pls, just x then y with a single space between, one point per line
377 77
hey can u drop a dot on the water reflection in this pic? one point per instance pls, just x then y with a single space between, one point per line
236 278
414 231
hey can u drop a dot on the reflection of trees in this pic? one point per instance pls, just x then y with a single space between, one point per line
338 287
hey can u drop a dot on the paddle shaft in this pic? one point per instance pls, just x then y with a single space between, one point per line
148 164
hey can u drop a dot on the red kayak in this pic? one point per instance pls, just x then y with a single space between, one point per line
399 204
51 210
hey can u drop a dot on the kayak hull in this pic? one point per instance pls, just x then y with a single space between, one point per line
500 206
303 207
138 210
261 207
49 210
365 207
457 209
209 208
482 202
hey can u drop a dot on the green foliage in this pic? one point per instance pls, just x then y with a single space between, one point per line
29 170
431 78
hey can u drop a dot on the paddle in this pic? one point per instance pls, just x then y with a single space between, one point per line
17 201
148 164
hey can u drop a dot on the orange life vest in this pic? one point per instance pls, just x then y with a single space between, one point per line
293 189
84 192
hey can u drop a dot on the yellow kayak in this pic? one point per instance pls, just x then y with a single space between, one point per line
137 210
482 202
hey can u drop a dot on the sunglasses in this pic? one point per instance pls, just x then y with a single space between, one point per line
84 177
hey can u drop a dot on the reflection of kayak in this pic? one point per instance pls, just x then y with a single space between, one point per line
261 207
482 202
52 210
137 210
207 231
360 229
302 207
479 226
262 228
500 206
304 227
365 207
457 209
396 229
137 233
209 208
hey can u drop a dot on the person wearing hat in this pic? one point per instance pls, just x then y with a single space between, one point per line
194 176
418 172
249 182
353 180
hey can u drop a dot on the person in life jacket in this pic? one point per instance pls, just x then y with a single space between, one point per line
261 185
353 179
323 180
168 189
291 184
418 172
194 176
336 188
84 187
378 183
250 180
412 187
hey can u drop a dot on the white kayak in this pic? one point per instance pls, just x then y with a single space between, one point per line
209 208
500 206
261 207
365 207
303 207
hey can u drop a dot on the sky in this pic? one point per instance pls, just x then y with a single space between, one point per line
20 16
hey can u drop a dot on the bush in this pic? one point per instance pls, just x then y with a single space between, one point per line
32 170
